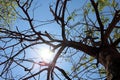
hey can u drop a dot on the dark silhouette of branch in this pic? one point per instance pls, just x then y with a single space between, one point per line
116 42
66 46
63 72
60 17
29 20
35 74
92 51
51 67
27 46
56 8
95 5
63 21
113 23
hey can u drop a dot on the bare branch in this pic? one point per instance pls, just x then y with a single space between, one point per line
85 48
60 17
63 72
95 5
116 42
35 74
112 25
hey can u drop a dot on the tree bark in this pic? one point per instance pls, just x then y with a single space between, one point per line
109 57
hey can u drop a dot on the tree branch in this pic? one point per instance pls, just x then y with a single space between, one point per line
62 21
51 67
116 42
60 17
35 74
63 72
30 20
92 51
95 6
112 25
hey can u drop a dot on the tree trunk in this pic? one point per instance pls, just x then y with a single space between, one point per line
110 58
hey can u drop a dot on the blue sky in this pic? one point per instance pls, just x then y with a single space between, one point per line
41 15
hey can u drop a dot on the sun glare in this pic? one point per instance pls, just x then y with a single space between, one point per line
46 55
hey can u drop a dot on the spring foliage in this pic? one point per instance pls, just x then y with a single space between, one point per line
7 13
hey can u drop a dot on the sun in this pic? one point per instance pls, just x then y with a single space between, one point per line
46 55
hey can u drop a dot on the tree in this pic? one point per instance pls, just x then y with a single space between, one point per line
95 32
7 14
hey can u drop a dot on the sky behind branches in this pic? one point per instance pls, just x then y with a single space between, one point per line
44 22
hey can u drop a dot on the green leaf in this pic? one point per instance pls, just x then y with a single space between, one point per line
72 16
117 35
7 13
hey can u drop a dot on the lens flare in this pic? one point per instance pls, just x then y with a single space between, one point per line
46 55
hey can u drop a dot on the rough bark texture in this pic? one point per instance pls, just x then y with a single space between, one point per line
110 58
